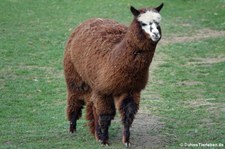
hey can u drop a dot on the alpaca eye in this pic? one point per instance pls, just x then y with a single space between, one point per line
157 23
143 24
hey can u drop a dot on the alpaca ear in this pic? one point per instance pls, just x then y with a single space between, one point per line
159 7
134 11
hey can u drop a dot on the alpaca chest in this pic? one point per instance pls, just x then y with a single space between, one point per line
134 78
118 80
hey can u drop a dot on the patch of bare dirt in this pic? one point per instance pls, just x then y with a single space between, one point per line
207 61
201 34
189 83
213 107
200 102
145 132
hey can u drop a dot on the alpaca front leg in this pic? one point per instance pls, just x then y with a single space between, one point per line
128 108
105 112
104 123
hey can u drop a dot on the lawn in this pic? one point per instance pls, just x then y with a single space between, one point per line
186 91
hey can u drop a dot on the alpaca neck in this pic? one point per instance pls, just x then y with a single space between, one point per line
133 43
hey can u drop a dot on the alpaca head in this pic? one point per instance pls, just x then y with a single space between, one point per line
149 20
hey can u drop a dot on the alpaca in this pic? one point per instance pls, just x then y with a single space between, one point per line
106 67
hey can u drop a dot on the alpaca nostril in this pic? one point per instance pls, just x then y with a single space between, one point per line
156 35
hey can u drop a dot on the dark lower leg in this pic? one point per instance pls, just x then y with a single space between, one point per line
74 113
128 109
126 135
73 122
74 116
104 123
105 112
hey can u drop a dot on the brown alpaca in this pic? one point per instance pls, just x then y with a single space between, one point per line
106 66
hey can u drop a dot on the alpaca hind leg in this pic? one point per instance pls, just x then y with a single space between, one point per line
74 111
128 107
76 89
105 112
75 103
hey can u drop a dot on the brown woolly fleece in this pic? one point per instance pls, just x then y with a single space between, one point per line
104 63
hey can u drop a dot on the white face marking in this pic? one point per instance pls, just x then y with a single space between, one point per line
149 22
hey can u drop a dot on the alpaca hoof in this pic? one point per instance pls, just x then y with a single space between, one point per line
126 141
72 129
104 143
127 144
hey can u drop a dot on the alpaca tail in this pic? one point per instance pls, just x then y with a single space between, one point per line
90 117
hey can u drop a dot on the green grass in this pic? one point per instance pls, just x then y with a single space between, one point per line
189 83
192 90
